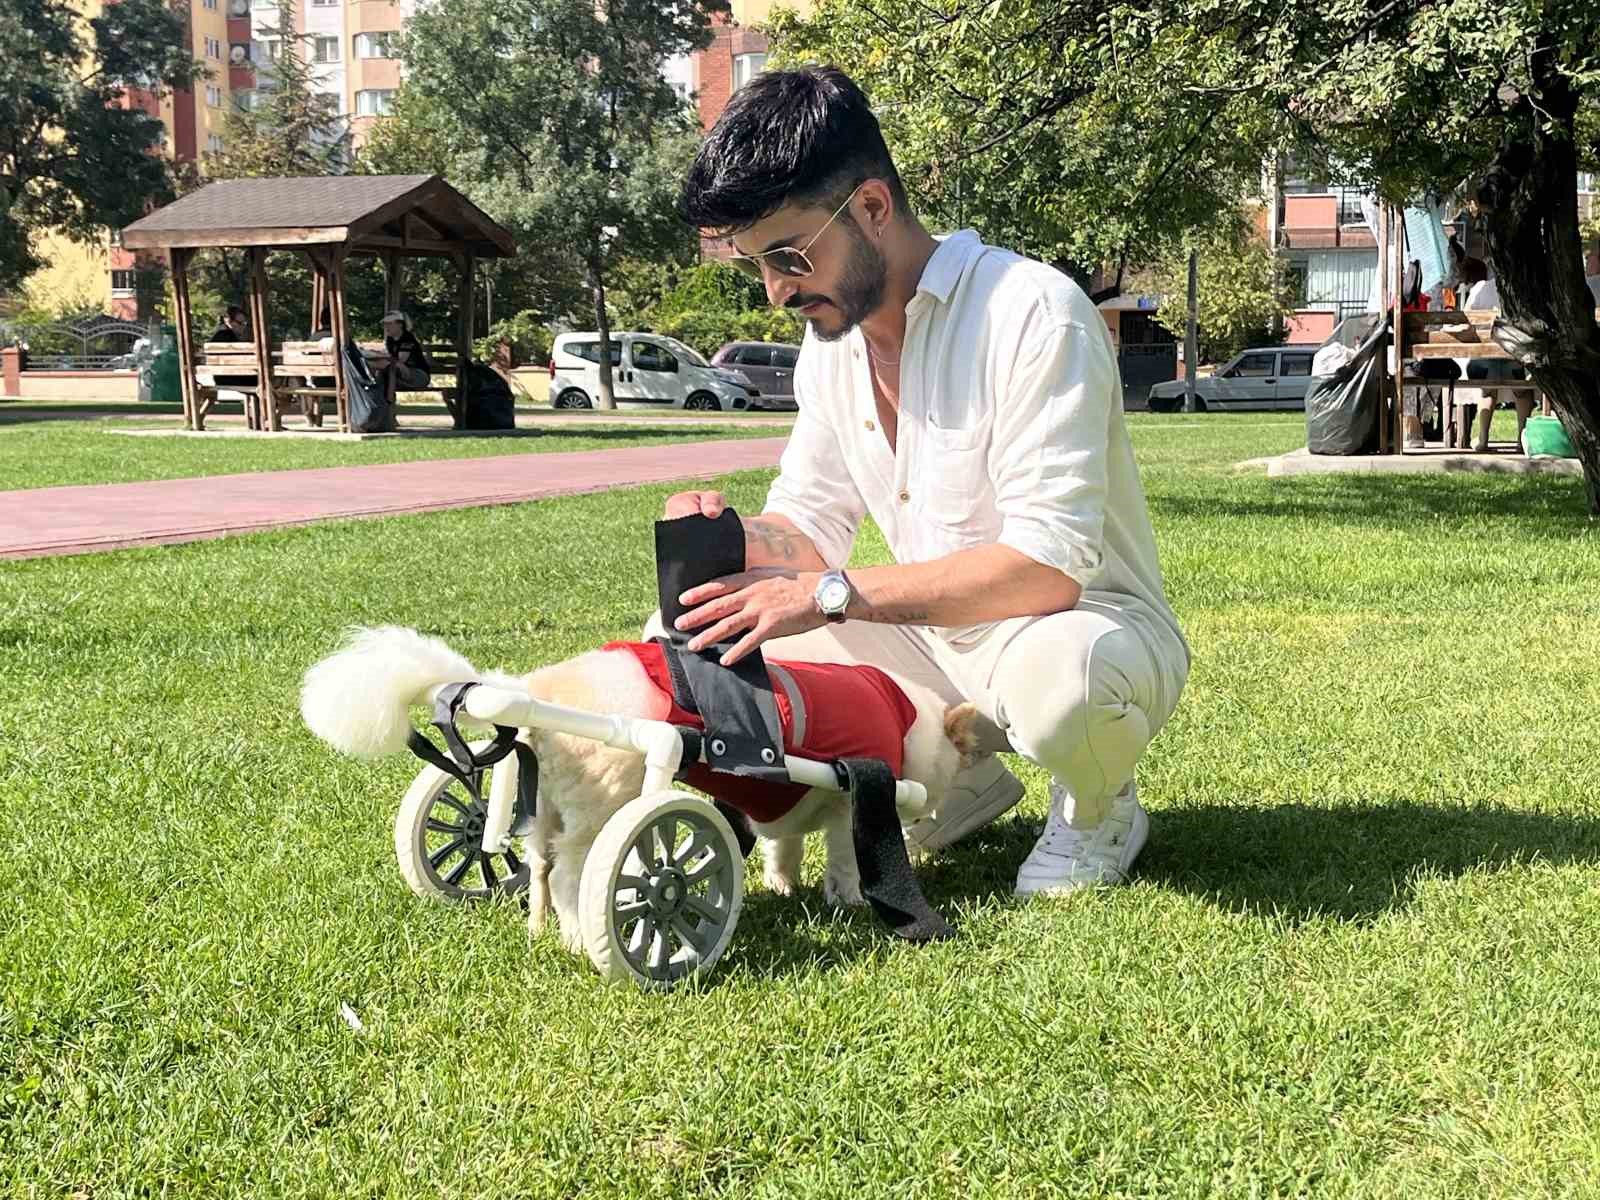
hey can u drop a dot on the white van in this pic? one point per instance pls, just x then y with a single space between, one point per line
647 371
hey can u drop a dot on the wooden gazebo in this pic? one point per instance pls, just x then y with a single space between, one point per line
328 219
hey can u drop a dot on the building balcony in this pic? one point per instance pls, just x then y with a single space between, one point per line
1322 221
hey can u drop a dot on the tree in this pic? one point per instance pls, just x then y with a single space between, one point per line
1243 291
290 129
1100 130
76 155
564 129
1028 120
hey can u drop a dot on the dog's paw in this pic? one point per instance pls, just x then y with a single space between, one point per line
842 891
961 727
780 883
572 939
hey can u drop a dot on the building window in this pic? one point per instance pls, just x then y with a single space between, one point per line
378 45
268 50
324 3
211 4
213 48
244 101
375 102
213 95
123 280
325 49
746 67
214 143
1587 180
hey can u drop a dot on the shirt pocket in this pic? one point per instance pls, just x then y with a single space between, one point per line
955 474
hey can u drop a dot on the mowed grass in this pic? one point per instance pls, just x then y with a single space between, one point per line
52 453
1357 960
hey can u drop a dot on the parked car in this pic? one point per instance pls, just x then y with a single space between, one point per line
770 366
647 371
1259 378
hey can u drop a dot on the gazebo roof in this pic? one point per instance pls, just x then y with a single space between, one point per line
411 214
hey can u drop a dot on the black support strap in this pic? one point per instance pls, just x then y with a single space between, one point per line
886 878
743 733
466 766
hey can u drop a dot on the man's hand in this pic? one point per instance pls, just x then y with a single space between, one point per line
765 603
694 504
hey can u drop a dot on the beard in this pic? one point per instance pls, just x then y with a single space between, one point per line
858 294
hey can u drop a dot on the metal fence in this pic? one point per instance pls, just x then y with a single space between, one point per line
92 344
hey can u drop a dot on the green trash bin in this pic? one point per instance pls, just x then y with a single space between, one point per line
162 374
1544 436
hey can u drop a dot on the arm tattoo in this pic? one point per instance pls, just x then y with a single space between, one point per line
770 541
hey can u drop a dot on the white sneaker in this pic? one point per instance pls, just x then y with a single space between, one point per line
979 794
1065 859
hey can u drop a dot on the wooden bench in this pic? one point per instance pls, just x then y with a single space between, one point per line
300 361
1467 334
237 363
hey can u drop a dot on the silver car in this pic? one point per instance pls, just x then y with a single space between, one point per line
770 366
1260 378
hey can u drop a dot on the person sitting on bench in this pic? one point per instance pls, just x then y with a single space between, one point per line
407 359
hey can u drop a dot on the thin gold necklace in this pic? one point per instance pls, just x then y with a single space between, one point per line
882 362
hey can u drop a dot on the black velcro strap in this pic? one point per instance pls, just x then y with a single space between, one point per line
682 693
466 765
886 877
744 735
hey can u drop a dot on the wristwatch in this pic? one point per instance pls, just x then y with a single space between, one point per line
833 594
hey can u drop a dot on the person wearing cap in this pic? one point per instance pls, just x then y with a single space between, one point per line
406 357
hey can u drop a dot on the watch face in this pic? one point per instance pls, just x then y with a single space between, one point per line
835 595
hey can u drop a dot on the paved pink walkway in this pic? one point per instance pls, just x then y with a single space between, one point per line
80 520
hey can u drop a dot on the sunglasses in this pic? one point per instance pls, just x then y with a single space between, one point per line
786 260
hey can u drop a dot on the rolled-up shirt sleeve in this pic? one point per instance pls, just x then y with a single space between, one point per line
813 488
1047 457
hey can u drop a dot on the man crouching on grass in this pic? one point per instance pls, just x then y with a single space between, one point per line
968 399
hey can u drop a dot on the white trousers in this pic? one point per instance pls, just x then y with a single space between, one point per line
1080 693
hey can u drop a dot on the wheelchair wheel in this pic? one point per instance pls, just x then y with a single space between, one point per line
438 840
661 890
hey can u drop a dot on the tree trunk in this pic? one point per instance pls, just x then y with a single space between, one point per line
1191 333
1528 200
597 284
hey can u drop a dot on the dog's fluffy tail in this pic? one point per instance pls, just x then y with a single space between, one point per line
358 699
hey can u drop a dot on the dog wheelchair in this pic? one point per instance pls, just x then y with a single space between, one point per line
663 883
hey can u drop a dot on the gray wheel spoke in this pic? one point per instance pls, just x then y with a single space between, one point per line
438 826
697 845
623 913
632 881
486 865
458 872
695 939
660 952
665 833
705 870
513 863
436 859
707 911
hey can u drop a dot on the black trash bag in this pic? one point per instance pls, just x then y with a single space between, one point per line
1342 411
488 403
370 410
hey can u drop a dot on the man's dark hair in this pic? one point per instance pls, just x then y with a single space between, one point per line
234 310
806 135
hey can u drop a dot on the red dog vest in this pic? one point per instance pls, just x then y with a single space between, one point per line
827 711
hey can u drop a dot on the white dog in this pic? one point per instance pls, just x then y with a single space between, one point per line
359 701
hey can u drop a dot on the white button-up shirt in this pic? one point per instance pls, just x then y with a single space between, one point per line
1010 431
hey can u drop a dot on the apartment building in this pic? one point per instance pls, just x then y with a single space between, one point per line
353 49
1331 255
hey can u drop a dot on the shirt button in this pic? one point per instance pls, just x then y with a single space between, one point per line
904 496
870 426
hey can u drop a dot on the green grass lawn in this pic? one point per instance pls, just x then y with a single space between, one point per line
56 452
1358 958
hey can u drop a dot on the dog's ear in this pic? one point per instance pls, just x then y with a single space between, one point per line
961 727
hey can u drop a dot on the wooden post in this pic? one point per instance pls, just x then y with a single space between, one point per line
1397 236
391 280
341 333
319 294
464 336
192 418
261 335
